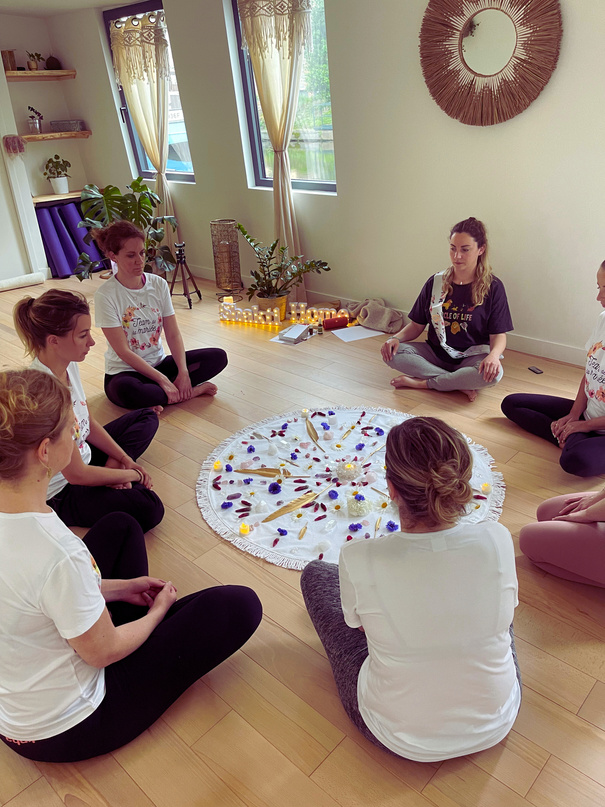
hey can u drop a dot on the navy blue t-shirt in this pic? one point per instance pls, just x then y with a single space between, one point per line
465 324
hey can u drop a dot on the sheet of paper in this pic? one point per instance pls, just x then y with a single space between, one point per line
355 333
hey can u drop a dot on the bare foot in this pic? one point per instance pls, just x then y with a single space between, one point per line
207 388
471 394
402 381
112 463
157 409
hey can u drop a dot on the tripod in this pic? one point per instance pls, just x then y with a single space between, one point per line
182 268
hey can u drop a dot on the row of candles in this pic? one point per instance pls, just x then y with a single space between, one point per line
299 313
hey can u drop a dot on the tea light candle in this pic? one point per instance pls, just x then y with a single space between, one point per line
305 413
347 470
244 529
218 466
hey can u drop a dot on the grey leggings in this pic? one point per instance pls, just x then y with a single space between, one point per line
346 648
418 360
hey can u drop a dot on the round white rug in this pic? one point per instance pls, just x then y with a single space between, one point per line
296 487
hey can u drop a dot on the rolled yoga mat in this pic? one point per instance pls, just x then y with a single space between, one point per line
24 280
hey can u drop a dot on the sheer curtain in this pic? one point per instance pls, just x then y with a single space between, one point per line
275 33
142 66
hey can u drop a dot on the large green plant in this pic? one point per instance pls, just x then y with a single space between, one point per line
102 207
277 271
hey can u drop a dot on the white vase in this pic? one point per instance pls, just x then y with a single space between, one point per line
60 185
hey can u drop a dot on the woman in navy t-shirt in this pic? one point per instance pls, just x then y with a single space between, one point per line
467 313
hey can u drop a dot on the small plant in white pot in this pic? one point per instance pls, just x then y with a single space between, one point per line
56 171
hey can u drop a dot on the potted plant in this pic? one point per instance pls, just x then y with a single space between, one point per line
277 273
102 207
35 120
33 59
55 170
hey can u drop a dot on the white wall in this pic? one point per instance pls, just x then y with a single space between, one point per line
405 171
14 258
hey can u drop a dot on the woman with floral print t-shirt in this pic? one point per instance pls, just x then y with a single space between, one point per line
133 308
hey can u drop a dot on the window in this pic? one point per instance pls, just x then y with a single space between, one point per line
179 165
311 148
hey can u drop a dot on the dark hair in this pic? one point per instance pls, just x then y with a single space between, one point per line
430 466
33 406
483 275
53 313
113 237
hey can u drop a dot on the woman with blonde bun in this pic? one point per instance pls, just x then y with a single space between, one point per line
417 624
103 475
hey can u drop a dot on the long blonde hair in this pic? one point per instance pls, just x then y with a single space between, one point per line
33 406
483 273
429 465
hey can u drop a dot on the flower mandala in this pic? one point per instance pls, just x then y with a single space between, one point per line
321 512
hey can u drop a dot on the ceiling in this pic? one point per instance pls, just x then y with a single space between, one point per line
48 8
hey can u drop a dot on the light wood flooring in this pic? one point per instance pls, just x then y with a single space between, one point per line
266 729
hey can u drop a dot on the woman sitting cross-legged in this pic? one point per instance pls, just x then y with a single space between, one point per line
87 664
417 624
103 475
577 427
568 539
132 308
467 314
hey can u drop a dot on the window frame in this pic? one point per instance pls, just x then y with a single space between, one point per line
253 122
138 151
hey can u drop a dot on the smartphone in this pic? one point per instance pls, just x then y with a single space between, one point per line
535 370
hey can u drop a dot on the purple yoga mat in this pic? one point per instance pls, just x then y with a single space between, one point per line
55 255
72 216
67 243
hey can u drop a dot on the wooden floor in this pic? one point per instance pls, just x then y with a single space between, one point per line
266 728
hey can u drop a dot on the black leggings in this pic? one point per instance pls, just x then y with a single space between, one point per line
583 453
84 505
199 632
133 390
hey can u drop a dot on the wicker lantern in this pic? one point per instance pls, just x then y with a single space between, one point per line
225 249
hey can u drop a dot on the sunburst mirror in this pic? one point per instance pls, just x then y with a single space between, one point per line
485 61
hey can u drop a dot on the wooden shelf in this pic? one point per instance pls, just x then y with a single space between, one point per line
30 138
56 197
39 75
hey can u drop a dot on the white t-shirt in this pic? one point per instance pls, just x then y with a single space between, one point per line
81 416
594 384
49 593
440 680
140 313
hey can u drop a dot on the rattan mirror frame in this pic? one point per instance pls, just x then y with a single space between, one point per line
479 100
